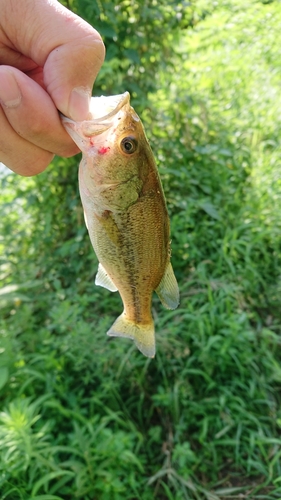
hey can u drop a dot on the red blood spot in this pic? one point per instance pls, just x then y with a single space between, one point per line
103 150
92 141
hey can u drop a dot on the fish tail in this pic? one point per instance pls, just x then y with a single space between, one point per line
142 334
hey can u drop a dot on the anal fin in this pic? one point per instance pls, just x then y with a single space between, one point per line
102 279
168 290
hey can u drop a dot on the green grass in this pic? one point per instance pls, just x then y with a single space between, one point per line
85 416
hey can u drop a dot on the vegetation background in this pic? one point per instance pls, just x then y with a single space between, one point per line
86 417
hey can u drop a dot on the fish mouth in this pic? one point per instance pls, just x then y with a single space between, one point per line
111 104
102 111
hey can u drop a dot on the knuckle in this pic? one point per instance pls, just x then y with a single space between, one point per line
26 164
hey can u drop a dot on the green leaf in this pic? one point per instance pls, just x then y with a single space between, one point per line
46 497
48 477
4 376
210 209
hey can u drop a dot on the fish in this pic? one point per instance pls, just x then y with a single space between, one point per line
125 214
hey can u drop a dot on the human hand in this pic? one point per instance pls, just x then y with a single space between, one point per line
49 59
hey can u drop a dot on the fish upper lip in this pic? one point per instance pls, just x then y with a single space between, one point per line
124 99
97 126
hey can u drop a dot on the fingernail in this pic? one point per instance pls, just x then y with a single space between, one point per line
79 103
10 96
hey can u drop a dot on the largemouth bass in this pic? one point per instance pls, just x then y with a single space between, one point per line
126 214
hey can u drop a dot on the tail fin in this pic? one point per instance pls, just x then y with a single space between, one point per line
143 335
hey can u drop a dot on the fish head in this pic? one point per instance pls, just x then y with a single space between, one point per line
112 141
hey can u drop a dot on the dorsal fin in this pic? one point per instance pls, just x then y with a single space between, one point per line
168 290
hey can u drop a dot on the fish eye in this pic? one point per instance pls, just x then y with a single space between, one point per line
129 145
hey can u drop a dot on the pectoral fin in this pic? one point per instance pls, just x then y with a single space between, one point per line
168 290
86 221
102 279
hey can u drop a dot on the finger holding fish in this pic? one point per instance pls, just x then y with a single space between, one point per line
38 134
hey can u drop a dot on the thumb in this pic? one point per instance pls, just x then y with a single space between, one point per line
68 49
69 74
